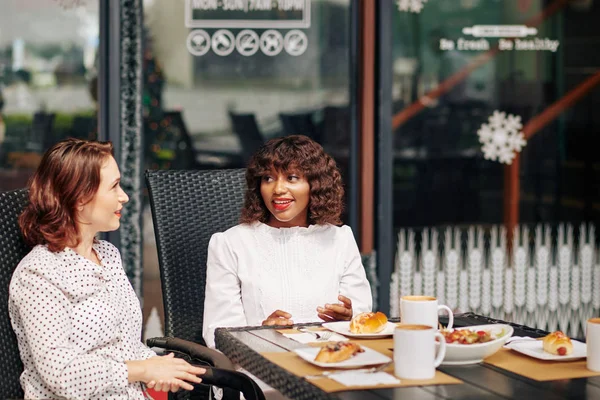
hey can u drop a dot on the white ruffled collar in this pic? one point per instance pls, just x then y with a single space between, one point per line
294 230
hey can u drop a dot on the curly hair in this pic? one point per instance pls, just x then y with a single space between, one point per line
68 175
307 157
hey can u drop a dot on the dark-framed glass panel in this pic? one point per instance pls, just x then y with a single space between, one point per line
48 81
221 78
495 176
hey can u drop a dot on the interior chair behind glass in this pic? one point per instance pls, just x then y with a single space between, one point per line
12 250
336 127
300 123
248 132
84 127
41 131
191 155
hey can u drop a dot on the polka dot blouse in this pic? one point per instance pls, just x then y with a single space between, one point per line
77 323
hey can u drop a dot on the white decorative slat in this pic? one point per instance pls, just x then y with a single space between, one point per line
541 285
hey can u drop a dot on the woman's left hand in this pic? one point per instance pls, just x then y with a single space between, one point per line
162 386
336 312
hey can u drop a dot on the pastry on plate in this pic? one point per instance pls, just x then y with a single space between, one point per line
368 322
558 343
336 352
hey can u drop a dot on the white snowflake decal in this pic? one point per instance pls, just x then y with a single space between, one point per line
501 137
414 6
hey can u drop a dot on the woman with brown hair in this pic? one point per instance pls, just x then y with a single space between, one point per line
289 258
77 319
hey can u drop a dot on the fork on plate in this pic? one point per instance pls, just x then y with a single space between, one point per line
517 339
365 370
321 335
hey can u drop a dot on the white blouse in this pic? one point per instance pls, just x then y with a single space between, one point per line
77 323
255 269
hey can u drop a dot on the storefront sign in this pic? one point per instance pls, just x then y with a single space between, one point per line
247 42
510 37
263 14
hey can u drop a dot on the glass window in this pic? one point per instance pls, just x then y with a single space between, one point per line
494 127
47 81
236 74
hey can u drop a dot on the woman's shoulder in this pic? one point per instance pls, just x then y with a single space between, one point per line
39 261
234 234
343 231
340 237
237 231
40 256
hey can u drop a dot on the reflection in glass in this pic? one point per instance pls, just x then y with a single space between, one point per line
48 89
436 121
467 72
214 94
233 97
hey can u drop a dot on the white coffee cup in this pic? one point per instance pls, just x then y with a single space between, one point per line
423 310
593 344
414 351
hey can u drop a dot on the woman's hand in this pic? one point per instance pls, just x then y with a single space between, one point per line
278 317
336 312
164 373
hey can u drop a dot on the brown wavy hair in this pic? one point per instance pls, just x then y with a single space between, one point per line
307 157
68 175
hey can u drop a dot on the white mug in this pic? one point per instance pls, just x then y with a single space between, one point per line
423 310
593 344
414 351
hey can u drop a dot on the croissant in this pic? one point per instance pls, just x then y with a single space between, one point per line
336 352
558 343
368 322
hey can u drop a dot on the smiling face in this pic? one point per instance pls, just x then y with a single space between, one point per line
103 212
286 195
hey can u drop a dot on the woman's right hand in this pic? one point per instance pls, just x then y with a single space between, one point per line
164 373
278 317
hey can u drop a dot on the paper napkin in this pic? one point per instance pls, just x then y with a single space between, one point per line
350 378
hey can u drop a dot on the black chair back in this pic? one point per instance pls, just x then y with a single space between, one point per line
12 250
300 124
246 129
85 127
41 132
336 127
187 208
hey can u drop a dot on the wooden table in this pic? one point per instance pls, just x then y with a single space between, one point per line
481 381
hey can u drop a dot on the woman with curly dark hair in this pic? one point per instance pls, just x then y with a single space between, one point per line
288 258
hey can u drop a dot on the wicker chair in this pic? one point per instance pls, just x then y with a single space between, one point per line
187 208
12 250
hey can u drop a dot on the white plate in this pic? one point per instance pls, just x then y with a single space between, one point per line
464 354
535 348
343 328
368 357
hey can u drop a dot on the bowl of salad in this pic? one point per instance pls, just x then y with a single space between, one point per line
471 344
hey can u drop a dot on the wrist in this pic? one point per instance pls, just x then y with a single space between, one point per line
136 371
